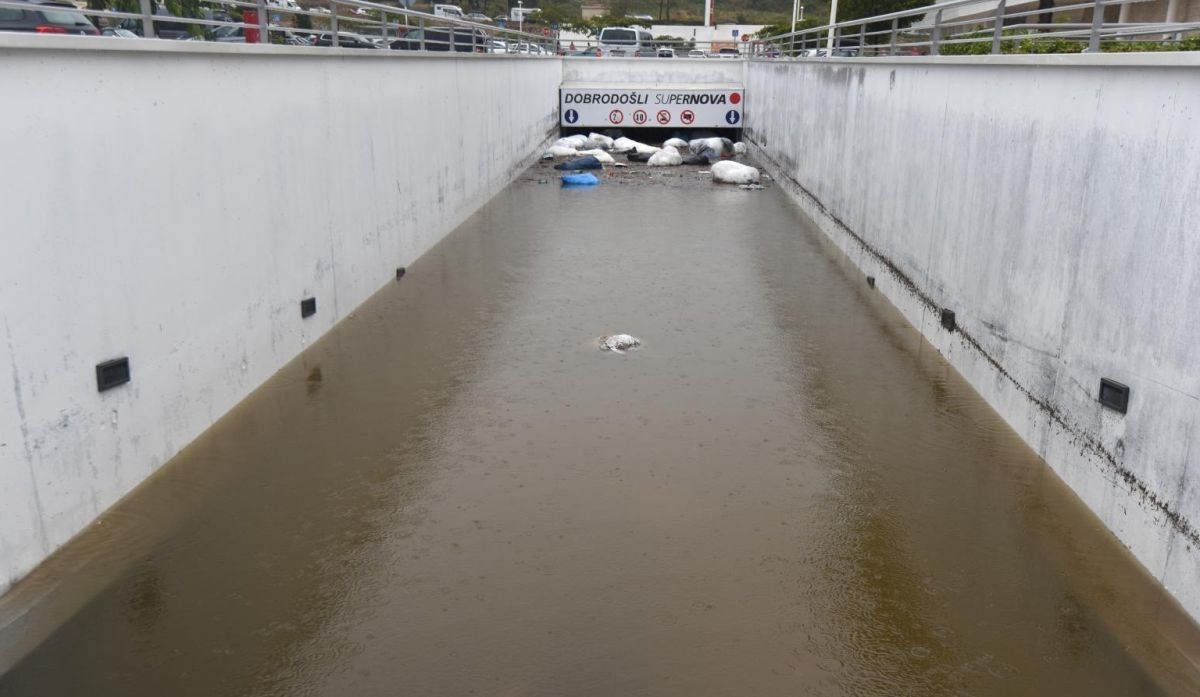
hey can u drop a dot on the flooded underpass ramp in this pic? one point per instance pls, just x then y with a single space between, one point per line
782 490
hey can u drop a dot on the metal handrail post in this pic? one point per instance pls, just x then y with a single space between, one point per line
1097 24
147 19
333 23
998 29
936 37
896 30
862 39
451 32
421 28
263 37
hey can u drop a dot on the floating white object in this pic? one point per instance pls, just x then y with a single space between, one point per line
605 143
667 157
627 144
562 151
575 141
619 343
605 158
739 148
732 172
675 143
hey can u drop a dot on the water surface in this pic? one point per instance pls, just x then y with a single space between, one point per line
783 492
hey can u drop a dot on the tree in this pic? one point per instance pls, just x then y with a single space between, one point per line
860 9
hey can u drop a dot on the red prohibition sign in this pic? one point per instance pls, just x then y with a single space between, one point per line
616 116
687 117
639 117
664 116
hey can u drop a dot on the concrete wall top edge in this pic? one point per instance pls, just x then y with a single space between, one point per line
99 43
1166 59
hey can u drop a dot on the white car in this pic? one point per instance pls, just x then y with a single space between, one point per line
497 46
666 53
695 53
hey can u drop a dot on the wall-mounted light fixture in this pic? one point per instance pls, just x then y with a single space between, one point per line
1114 395
110 374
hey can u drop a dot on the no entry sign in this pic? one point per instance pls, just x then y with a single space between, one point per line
598 107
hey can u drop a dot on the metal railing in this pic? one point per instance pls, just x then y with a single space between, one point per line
362 24
334 23
984 27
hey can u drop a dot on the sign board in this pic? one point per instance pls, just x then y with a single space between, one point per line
597 107
736 33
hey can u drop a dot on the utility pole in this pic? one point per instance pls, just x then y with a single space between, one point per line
832 21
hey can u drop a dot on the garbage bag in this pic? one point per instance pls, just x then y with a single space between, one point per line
581 179
589 162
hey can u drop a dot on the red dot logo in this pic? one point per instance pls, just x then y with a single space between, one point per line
735 98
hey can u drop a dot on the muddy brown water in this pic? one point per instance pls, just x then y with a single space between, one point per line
785 491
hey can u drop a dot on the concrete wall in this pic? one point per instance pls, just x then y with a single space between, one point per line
649 72
1051 202
174 202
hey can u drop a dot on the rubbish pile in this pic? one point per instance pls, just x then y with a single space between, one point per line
582 154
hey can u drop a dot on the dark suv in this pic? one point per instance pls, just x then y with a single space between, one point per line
46 17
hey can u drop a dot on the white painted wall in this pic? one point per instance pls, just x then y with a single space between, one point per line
664 72
174 202
1052 203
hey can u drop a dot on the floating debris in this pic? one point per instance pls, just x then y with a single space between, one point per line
580 179
667 157
619 343
587 162
732 172
752 187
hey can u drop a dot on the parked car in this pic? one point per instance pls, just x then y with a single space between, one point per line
466 40
450 11
626 42
666 52
118 33
695 53
479 17
590 51
346 39
46 17
497 46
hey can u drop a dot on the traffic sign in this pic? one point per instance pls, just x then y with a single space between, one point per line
687 117
616 116
639 117
732 117
571 116
663 116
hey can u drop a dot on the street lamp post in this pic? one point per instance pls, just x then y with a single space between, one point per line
832 21
521 15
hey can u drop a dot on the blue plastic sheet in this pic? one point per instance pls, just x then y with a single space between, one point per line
582 179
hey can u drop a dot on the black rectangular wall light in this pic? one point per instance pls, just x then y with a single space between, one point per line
1114 395
110 374
308 307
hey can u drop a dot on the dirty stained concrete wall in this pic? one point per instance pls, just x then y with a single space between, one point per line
1051 203
174 202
